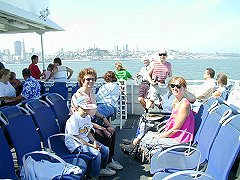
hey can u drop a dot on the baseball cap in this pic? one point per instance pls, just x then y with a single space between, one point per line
85 103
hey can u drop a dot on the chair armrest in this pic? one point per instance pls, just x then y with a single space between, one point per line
190 172
185 153
61 134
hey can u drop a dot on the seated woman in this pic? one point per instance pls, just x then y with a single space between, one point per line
7 91
104 133
180 125
108 95
221 91
16 83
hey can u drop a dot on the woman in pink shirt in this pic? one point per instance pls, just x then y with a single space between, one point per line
180 125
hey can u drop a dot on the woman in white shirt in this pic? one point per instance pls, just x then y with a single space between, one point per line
108 95
7 91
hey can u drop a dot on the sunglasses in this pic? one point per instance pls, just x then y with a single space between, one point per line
175 85
162 54
90 79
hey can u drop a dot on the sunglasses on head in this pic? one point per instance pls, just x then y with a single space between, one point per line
162 54
90 79
175 85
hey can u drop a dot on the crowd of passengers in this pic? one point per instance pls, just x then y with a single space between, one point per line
90 112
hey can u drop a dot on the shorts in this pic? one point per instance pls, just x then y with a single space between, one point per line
143 89
155 92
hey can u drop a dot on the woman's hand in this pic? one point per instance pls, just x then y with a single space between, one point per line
96 145
105 120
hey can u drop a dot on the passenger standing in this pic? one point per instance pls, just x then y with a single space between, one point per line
206 89
157 74
60 72
121 72
48 72
34 69
144 86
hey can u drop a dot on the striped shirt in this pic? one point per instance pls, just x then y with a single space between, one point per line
160 70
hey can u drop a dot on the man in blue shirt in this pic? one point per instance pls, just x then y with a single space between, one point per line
31 87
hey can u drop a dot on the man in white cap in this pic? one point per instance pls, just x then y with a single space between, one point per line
80 126
144 86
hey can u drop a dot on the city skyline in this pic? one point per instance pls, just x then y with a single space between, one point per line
192 25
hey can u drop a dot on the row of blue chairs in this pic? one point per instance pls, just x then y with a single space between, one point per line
35 125
218 131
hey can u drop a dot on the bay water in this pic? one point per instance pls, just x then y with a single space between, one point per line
190 69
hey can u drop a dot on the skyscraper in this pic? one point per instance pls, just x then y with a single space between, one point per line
18 48
23 51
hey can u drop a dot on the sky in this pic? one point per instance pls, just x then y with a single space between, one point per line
184 25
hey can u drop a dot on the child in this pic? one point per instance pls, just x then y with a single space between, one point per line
47 73
80 126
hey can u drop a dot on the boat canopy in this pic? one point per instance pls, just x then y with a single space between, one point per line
14 19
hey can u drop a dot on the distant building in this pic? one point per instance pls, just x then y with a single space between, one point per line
18 48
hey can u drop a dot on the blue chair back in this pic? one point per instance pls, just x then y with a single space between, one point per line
44 119
60 88
224 150
22 131
211 128
7 170
74 89
201 116
59 107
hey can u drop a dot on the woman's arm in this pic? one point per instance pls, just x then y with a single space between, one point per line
183 112
216 94
105 120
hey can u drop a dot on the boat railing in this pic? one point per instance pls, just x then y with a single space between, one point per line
128 102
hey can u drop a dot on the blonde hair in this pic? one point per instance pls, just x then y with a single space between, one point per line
181 81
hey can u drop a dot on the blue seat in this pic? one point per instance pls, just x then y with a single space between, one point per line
165 161
74 89
220 161
25 137
7 170
49 131
60 88
59 107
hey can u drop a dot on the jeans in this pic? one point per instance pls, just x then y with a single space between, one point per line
99 162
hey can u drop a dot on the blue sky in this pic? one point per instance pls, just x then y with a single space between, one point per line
192 25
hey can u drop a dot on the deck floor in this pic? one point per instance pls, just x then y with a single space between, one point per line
132 169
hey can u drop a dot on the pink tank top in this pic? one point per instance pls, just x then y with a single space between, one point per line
188 126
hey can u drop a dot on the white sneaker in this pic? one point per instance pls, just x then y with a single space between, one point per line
115 165
107 172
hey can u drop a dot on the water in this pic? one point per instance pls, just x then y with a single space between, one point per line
189 69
